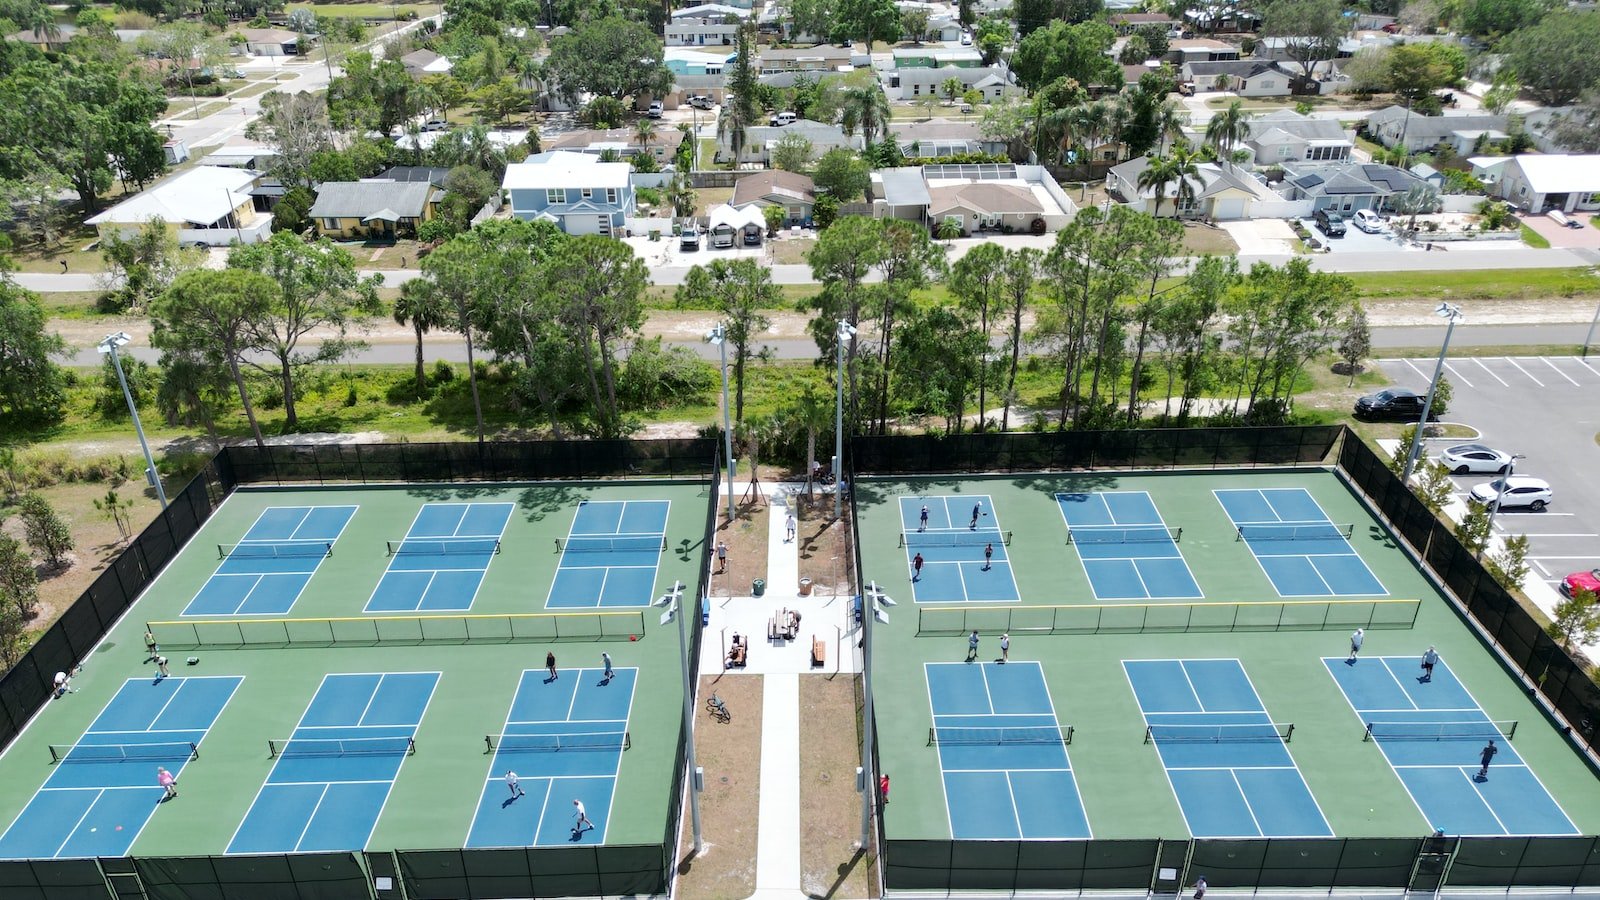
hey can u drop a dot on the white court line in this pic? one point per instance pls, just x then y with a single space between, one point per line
1457 372
1487 805
1016 814
1490 372
1558 371
246 598
311 818
78 824
1523 371
1232 773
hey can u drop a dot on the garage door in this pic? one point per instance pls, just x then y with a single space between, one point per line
583 224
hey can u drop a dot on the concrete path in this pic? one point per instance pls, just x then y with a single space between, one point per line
778 829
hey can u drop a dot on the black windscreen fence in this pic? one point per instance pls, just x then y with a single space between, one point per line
493 461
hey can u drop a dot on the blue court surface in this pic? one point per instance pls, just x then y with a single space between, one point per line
564 739
1002 754
610 555
442 559
104 790
264 574
1302 551
953 544
333 774
1433 733
1227 762
1126 548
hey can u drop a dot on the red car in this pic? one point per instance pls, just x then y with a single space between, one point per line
1588 581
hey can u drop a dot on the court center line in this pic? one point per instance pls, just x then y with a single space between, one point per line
1487 805
1140 575
361 719
1523 371
163 710
98 793
311 818
246 598
1384 660
1193 691
1503 382
544 807
988 695
1256 823
1558 371
1016 814
965 596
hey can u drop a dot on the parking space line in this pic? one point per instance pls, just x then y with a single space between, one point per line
1491 372
1542 570
1585 363
1558 371
1415 369
1457 373
1523 371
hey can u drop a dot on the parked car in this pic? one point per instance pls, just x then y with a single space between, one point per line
1394 403
1464 458
966 39
1368 221
1330 223
690 239
783 118
701 101
1562 219
1514 490
1589 581
436 125
655 110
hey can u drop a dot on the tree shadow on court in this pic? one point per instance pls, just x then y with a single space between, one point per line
1380 534
535 502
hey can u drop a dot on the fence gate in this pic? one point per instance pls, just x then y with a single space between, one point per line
1172 861
123 878
1427 876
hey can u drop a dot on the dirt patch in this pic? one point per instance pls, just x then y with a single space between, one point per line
831 865
746 537
731 756
825 555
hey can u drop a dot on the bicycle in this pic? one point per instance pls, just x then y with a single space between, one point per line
718 709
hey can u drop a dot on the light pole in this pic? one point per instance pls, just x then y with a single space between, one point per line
1505 485
719 336
869 610
1588 338
110 345
1453 314
673 601
846 332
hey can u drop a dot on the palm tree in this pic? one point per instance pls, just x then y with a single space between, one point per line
1169 123
42 21
1229 128
422 307
1185 166
643 132
871 108
1164 170
1157 175
1094 121
952 89
1118 117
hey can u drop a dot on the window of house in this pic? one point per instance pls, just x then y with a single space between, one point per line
1269 84
1284 152
330 224
555 195
588 193
611 195
916 89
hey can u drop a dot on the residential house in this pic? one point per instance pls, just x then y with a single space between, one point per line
761 139
1489 169
1219 191
944 137
1284 135
682 61
712 11
207 206
1542 182
745 225
993 82
792 192
275 41
1219 19
576 191
1346 188
422 63
945 27
48 42
1194 50
821 58
240 152
1127 23
1245 77
373 208
1392 127
711 31
978 198
433 175
929 56
663 144
1429 174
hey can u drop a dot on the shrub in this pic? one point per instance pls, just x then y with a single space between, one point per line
443 372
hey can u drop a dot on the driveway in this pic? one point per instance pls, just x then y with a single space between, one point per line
1562 236
1544 408
1357 241
1262 237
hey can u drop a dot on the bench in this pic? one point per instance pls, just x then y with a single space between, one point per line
774 629
819 652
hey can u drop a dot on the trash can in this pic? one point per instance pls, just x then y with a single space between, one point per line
805 587
759 587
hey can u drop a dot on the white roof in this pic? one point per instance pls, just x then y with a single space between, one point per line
201 195
691 55
710 9
736 217
1557 173
565 172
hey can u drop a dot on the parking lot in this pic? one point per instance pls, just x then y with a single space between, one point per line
1548 410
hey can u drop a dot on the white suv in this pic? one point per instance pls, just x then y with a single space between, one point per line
1516 490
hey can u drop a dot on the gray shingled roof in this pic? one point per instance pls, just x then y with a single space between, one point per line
359 199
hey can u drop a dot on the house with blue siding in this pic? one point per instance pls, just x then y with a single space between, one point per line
576 191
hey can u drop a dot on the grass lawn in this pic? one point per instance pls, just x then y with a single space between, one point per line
790 251
208 108
706 198
1501 284
401 254
1533 238
1200 239
366 10
259 87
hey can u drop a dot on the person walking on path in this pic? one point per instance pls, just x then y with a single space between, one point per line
1429 658
1489 750
722 557
1005 648
152 651
1356 640
988 556
168 782
605 658
550 664
513 783
916 567
922 523
883 788
582 817
977 510
972 646
788 529
161 667
1200 888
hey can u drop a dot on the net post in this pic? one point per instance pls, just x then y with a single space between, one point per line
1238 532
194 750
1288 734
1511 733
272 749
930 737
627 740
496 548
329 545
1368 735
558 545
1177 534
1008 539
1147 735
1066 737
411 746
222 551
488 744
902 540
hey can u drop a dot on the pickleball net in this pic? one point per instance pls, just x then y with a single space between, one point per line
1280 531
552 743
955 538
999 735
274 549
1123 534
443 547
373 746
161 750
1440 731
1222 733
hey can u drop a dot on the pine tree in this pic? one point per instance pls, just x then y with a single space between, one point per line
19 583
46 531
1356 342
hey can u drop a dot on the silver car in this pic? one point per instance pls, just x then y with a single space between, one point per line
1465 458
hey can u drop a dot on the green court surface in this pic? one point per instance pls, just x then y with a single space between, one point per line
445 790
1107 687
